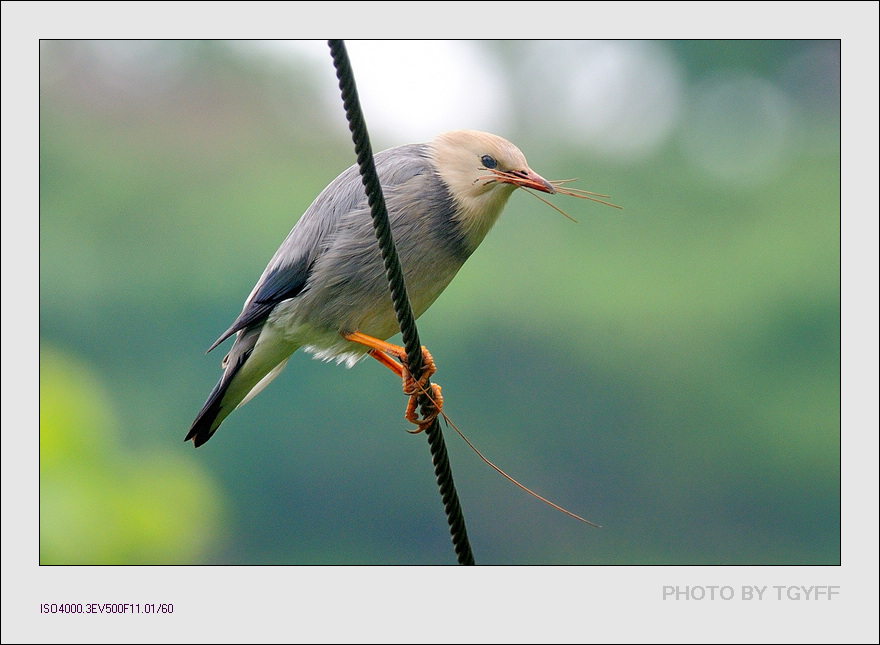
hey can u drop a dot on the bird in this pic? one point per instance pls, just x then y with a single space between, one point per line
325 290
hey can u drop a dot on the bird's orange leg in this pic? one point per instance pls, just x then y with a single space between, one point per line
385 353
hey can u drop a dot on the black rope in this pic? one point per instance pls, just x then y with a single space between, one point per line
394 273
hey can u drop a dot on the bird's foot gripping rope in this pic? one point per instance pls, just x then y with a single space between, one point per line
386 353
431 409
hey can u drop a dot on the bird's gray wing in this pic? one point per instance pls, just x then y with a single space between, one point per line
288 273
281 283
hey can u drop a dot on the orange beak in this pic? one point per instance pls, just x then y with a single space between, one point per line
527 178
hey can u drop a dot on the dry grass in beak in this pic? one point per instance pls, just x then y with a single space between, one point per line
580 192
573 192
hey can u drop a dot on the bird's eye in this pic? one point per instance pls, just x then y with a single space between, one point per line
489 162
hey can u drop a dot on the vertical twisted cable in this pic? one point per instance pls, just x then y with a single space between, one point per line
394 273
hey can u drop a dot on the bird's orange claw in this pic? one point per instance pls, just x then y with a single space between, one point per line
434 404
412 388
385 353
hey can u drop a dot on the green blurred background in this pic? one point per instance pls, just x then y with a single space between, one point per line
670 371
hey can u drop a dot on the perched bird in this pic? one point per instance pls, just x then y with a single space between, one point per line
325 289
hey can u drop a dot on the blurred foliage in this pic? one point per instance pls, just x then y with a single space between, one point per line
101 505
670 371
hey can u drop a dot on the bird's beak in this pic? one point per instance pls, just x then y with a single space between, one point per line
527 178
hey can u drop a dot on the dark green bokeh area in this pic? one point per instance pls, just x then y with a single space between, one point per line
670 371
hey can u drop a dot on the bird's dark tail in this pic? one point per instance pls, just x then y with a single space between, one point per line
232 388
210 418
247 370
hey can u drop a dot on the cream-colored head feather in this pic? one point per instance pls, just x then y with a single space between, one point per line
481 170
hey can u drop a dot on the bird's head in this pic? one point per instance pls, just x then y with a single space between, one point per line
481 170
